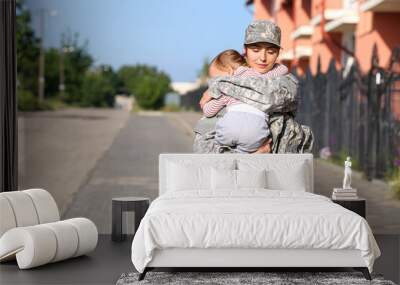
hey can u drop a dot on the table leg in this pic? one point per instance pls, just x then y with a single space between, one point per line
138 216
140 211
116 233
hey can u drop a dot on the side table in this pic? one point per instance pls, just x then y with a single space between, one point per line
358 205
139 205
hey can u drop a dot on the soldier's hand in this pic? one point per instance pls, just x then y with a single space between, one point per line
266 147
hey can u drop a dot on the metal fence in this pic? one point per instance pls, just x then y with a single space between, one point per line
351 113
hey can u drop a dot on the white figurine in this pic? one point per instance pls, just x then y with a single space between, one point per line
347 174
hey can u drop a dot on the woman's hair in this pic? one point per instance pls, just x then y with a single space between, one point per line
229 58
263 44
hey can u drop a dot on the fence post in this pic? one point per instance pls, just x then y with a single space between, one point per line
357 117
331 115
372 117
317 108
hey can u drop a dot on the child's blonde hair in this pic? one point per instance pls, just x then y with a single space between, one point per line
229 59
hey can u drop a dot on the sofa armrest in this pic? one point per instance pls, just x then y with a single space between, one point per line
40 244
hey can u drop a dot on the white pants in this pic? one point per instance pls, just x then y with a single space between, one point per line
245 131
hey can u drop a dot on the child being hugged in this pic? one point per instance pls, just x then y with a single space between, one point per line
243 126
266 86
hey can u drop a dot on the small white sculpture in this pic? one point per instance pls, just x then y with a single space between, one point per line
347 174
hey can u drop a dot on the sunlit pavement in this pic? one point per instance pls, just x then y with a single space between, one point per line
130 166
100 154
383 211
57 149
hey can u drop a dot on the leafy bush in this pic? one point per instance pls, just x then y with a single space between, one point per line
171 108
340 158
27 46
97 91
26 101
55 104
394 183
147 85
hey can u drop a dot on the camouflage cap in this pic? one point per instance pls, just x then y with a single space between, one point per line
263 31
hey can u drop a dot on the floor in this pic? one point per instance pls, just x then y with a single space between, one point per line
111 259
102 266
127 166
57 149
130 168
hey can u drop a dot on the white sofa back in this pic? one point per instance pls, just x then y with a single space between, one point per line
31 231
283 170
26 208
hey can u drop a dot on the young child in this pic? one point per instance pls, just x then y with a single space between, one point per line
243 126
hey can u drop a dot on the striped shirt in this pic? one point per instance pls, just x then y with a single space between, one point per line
213 106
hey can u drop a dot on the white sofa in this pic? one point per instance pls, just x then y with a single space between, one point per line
31 231
287 172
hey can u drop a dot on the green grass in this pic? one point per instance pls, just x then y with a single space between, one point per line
340 158
136 108
171 108
392 177
394 183
55 104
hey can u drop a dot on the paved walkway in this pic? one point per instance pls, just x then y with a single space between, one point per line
94 155
57 149
84 157
383 211
130 166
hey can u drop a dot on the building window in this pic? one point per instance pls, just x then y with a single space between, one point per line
306 5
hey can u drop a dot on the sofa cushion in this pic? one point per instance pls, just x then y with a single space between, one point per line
45 205
24 210
7 220
41 244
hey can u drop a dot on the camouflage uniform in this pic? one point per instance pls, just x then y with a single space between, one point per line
276 96
263 31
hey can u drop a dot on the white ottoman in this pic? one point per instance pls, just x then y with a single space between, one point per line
31 232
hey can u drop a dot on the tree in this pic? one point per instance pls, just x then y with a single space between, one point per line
203 73
83 87
76 64
52 72
146 83
97 89
112 77
27 59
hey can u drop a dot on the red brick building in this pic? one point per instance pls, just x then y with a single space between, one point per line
339 29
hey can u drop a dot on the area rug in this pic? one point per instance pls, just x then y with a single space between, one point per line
243 278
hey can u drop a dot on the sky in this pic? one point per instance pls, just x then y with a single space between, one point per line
174 35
